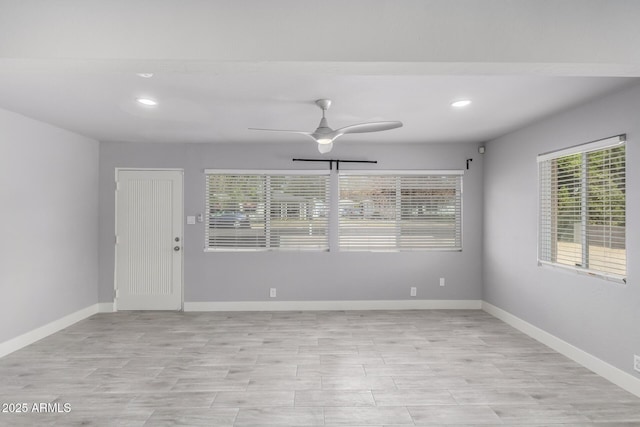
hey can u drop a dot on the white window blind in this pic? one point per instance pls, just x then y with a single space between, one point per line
582 218
400 211
270 210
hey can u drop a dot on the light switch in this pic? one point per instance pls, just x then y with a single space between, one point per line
191 220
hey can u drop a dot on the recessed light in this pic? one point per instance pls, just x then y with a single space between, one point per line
461 103
145 75
147 101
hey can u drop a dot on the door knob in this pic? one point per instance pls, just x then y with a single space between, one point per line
176 248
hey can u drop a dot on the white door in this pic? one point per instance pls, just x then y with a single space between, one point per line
149 240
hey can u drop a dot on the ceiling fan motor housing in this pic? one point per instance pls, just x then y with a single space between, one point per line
323 128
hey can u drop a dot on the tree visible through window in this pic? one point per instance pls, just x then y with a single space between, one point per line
582 208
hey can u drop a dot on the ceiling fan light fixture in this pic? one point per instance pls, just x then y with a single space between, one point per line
325 148
324 141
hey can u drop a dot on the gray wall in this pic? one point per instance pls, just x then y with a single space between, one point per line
597 316
49 222
301 275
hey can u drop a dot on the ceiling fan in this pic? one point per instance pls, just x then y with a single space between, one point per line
325 136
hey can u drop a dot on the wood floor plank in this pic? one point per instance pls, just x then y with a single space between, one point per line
356 368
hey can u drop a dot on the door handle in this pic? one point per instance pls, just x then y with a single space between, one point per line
176 248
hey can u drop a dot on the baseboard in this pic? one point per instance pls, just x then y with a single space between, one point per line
105 307
615 375
333 305
37 334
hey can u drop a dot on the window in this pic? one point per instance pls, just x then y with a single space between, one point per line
267 211
582 208
400 211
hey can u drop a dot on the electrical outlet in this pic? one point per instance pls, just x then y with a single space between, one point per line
636 362
414 291
272 292
442 281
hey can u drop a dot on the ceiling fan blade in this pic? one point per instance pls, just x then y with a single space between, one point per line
368 127
299 132
283 131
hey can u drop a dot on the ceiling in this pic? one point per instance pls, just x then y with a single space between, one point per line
206 107
222 66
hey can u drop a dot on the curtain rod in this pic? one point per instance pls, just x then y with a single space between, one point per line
337 161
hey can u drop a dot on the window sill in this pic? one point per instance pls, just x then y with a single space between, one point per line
266 250
591 273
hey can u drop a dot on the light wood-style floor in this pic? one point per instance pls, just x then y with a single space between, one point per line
354 368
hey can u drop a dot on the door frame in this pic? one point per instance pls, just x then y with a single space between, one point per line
115 230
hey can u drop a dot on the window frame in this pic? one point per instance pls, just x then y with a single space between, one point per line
399 174
546 236
268 175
